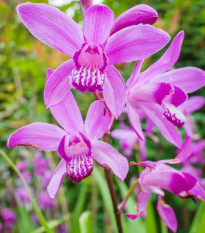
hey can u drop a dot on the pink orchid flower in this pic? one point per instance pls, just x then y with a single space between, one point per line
77 144
158 93
157 177
128 140
93 51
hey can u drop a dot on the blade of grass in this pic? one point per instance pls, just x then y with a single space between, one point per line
198 224
151 225
104 190
79 208
34 203
85 222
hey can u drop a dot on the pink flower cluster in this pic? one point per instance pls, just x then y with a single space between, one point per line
156 94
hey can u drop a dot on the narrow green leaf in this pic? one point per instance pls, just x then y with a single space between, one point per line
198 224
79 208
151 225
85 222
104 190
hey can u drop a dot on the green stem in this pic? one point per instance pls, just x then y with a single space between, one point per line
35 205
129 193
163 227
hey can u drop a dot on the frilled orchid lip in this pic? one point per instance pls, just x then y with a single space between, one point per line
174 115
89 72
76 151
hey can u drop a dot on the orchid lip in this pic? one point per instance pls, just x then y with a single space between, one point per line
89 72
174 115
76 151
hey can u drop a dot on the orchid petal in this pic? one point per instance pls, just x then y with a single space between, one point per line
167 214
51 26
107 156
97 120
134 16
86 4
142 150
56 180
189 79
142 202
198 192
49 73
114 91
135 74
178 97
98 21
151 93
193 104
68 115
58 84
135 43
167 60
134 120
37 135
167 129
185 151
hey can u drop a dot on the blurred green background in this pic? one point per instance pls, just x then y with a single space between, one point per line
23 64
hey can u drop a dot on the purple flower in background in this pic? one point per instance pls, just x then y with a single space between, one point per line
23 194
93 52
158 93
9 219
77 144
40 164
157 177
45 201
129 140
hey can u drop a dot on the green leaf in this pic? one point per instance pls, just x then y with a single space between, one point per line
151 225
85 222
198 224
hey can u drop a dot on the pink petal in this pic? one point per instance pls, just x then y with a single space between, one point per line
178 97
185 151
56 180
86 4
134 120
58 84
143 149
193 104
114 91
167 60
151 93
68 115
51 26
107 156
167 214
135 43
49 73
189 79
135 74
198 192
142 202
167 129
37 135
134 16
97 120
98 21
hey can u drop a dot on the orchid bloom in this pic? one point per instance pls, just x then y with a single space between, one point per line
77 144
129 140
158 176
93 52
158 93
9 218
